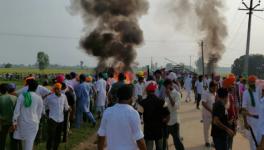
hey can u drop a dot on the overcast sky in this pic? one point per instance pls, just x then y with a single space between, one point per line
58 34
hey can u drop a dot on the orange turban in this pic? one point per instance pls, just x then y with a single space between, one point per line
58 86
252 78
227 83
89 79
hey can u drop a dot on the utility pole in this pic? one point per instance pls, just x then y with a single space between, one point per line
250 10
190 62
202 47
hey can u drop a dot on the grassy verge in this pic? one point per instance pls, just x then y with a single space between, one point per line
75 138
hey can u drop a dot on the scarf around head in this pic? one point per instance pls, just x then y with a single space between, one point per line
27 99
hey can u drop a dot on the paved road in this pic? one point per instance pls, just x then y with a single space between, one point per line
192 130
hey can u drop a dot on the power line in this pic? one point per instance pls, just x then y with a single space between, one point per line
37 35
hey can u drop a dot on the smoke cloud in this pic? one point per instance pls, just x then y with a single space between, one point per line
211 26
116 32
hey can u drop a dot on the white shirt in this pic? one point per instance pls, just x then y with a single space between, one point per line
176 97
246 103
121 127
30 114
209 99
27 118
101 89
56 106
139 89
188 83
199 86
260 130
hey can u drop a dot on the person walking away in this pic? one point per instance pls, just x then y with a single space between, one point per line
155 114
120 126
250 108
229 84
56 104
208 99
172 99
82 92
27 116
188 88
220 126
101 96
113 91
7 106
199 90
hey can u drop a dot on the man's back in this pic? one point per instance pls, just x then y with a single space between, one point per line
7 106
152 116
121 127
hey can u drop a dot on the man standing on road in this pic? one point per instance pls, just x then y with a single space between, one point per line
250 109
120 125
154 116
172 99
188 88
220 125
208 99
199 90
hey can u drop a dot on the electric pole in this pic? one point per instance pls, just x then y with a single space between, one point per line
202 47
250 10
190 62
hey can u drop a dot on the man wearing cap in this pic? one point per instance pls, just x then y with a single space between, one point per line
250 109
155 115
82 92
55 104
27 116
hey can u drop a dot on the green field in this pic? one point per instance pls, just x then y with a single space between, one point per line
46 71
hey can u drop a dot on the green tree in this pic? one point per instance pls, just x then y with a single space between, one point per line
42 60
8 65
256 65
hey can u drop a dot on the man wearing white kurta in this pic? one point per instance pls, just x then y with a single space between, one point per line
101 96
250 106
208 99
27 115
188 88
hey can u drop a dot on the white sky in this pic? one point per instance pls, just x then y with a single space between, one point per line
51 18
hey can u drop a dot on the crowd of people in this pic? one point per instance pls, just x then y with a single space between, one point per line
124 107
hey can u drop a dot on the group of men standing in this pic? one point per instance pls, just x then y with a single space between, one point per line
224 102
29 113
155 104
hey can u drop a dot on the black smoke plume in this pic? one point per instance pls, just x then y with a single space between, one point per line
116 33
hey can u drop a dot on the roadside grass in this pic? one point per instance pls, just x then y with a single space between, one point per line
75 138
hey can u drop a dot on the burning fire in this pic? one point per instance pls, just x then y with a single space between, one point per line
128 75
